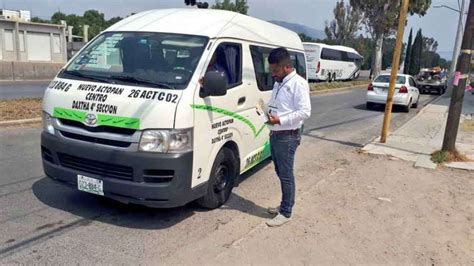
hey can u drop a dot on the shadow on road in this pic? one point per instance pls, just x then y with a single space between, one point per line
96 208
346 143
379 108
239 203
338 124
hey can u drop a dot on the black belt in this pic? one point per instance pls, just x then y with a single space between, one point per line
285 132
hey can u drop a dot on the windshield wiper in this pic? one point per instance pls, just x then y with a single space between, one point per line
142 81
81 75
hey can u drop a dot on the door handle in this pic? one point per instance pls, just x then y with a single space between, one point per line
241 101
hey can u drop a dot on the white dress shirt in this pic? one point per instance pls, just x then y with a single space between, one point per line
290 101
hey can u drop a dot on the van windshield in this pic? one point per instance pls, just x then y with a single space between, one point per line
161 60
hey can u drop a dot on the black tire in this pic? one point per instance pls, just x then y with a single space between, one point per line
221 181
440 91
415 105
406 108
369 106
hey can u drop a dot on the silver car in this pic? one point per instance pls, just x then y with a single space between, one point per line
406 94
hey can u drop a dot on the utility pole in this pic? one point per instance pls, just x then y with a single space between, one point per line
457 47
460 80
394 72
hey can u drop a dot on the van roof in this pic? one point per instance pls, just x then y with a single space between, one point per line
338 47
210 23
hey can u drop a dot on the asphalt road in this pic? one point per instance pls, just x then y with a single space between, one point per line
22 89
44 222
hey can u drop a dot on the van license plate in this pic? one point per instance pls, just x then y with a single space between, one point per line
91 185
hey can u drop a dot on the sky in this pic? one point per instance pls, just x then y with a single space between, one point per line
439 23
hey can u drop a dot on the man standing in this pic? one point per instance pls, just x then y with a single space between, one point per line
288 107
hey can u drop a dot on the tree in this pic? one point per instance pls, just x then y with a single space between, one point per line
96 22
406 67
345 24
429 57
76 22
381 20
387 52
306 38
57 17
416 49
39 20
112 21
239 6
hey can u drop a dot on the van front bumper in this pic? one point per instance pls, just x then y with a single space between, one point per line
150 179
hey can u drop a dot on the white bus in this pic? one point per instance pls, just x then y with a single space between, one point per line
331 62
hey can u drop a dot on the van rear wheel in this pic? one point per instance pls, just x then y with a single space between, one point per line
221 181
329 77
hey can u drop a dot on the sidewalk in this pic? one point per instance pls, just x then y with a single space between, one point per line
421 136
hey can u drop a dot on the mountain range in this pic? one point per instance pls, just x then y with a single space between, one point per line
298 28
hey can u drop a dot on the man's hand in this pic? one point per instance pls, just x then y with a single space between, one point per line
273 119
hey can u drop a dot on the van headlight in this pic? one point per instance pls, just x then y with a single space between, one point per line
166 141
48 123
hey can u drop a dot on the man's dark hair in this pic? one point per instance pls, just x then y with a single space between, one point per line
279 56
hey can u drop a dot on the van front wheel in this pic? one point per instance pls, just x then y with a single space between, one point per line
221 181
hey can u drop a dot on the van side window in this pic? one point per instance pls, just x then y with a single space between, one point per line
262 70
300 64
227 58
265 80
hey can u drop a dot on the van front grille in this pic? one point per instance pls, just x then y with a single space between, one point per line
115 143
95 167
98 129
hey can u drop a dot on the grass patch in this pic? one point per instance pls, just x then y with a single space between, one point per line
440 157
20 109
319 86
468 125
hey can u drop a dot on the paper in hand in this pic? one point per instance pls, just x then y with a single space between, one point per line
262 110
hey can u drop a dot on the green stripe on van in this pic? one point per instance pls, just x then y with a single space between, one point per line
68 114
256 132
102 120
265 154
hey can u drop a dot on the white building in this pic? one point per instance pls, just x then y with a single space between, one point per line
32 42
20 15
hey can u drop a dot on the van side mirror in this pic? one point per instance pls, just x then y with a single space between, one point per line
214 84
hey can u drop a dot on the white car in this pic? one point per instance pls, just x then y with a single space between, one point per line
406 92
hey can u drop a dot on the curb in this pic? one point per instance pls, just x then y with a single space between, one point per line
20 122
328 91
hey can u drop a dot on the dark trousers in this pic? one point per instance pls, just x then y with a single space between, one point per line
283 148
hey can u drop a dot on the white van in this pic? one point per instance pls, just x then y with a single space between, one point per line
127 117
332 62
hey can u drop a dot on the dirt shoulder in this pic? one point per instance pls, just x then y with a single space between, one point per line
322 86
20 109
351 208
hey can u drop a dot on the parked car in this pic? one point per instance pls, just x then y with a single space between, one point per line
429 80
406 94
